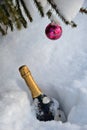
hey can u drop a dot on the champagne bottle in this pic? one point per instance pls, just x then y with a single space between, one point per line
46 108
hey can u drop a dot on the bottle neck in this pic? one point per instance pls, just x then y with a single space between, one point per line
35 91
25 73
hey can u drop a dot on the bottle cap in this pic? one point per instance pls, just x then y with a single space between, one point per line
24 71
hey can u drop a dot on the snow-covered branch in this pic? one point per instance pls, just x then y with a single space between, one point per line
12 12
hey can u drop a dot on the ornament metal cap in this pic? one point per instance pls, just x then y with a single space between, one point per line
24 70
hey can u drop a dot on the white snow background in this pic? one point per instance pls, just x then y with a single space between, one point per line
59 68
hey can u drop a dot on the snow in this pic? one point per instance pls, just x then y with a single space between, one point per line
59 68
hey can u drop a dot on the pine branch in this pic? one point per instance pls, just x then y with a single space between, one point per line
22 19
13 13
40 8
83 10
26 11
4 20
9 22
59 14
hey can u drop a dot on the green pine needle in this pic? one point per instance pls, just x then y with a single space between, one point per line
26 11
40 8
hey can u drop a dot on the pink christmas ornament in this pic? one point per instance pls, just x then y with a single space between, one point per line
53 31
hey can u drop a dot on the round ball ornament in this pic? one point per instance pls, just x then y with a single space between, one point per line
53 31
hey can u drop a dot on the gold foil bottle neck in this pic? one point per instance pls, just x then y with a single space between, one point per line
26 74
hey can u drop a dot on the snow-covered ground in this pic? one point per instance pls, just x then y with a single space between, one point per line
59 68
